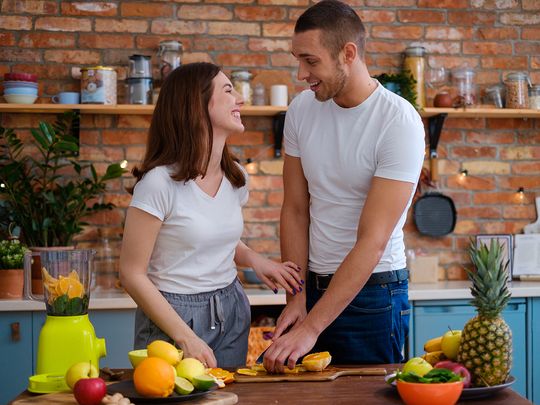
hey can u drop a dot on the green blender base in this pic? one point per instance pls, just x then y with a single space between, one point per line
63 342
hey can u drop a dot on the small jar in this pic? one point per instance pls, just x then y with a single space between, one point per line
259 94
415 63
464 83
495 95
534 97
170 56
517 90
241 82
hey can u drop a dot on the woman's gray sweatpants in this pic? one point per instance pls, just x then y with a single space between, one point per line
221 318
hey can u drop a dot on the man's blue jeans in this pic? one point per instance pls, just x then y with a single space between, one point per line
371 330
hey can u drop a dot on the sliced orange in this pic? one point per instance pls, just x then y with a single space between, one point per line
258 367
317 361
246 371
220 374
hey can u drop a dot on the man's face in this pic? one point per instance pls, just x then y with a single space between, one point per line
325 75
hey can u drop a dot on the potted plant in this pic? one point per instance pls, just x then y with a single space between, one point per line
45 190
400 83
11 268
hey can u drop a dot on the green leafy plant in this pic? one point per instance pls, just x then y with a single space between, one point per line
405 83
12 254
48 193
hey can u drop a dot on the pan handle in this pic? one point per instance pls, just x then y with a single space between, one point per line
434 166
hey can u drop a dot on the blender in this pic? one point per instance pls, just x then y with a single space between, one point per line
67 336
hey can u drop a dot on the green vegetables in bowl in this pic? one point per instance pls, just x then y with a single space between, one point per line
434 376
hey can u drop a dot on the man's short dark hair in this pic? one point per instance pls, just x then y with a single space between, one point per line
338 23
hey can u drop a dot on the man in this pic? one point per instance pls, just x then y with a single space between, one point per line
354 152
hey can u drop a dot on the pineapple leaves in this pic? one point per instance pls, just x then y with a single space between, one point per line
490 280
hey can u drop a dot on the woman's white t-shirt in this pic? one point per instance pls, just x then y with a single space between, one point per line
195 247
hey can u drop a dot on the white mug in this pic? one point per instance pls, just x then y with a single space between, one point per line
278 95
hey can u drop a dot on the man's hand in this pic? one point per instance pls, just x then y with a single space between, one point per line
287 349
292 316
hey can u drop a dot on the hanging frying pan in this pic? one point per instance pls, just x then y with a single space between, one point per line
434 214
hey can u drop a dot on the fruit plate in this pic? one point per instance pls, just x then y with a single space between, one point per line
472 393
127 389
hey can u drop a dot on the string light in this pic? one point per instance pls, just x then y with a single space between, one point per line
124 164
521 193
464 173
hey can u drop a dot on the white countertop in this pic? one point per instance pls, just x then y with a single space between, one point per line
444 290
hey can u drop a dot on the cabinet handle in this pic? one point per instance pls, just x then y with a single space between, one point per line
15 331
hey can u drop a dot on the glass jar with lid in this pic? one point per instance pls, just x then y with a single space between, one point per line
170 57
517 90
415 63
464 83
534 97
241 82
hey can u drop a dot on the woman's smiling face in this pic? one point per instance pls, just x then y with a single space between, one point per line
224 107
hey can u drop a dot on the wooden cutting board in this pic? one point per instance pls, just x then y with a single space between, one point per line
328 374
64 398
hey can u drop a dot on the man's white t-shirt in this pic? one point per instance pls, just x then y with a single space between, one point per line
194 250
341 149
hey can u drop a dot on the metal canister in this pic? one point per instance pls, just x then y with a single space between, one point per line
98 85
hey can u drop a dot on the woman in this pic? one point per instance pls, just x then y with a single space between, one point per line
183 226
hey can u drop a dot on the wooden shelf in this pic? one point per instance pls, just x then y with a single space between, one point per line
480 112
264 110
118 109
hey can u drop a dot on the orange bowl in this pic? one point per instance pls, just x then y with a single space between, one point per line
429 394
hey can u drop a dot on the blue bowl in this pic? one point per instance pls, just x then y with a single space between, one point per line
21 90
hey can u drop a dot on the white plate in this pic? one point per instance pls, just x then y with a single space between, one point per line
469 393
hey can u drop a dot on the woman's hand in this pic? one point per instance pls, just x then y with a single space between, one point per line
275 274
197 348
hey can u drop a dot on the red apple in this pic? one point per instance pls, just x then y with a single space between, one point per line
89 391
458 369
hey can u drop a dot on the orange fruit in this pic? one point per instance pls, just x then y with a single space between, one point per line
154 378
316 361
70 286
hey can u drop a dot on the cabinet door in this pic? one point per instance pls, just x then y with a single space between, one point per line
433 318
117 327
15 352
535 350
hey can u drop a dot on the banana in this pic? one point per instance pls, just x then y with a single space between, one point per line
434 357
433 345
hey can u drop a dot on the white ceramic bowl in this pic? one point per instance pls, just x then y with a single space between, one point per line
20 98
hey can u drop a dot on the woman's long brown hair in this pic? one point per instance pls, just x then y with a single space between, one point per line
180 133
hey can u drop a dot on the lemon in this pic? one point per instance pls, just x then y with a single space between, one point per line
203 382
183 386
190 368
164 350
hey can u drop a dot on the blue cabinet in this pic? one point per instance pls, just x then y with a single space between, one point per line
534 348
432 318
15 352
117 327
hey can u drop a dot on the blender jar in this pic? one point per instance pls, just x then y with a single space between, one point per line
463 81
66 276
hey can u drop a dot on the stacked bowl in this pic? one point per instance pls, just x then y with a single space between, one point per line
20 88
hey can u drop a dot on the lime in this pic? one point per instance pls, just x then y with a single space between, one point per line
183 386
203 382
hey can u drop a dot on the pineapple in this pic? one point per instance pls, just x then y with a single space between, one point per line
486 341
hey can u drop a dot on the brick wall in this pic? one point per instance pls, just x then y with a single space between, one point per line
51 37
